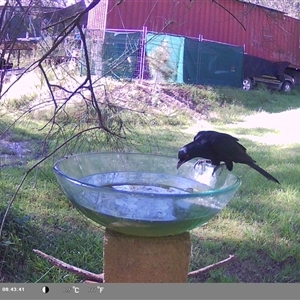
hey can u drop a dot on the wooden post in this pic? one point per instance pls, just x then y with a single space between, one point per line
135 259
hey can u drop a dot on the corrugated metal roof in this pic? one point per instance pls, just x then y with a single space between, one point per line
269 34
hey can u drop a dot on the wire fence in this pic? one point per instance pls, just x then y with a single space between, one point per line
139 54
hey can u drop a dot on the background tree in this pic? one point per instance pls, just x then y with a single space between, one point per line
103 116
290 7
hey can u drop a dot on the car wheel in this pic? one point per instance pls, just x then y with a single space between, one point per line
286 87
247 84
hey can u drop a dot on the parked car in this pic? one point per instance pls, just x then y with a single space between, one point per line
271 82
272 74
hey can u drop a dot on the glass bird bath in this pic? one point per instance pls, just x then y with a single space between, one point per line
143 195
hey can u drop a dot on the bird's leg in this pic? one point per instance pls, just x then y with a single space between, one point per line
201 162
218 167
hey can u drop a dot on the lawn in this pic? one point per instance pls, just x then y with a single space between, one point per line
260 226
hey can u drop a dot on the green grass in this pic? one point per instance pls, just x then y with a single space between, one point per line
233 105
261 225
42 218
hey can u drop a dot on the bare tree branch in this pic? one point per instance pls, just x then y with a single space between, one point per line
214 1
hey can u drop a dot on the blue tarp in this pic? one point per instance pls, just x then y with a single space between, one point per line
164 56
212 63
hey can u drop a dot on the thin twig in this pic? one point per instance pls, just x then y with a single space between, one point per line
214 1
75 270
212 267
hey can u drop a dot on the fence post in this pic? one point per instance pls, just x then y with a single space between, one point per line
143 54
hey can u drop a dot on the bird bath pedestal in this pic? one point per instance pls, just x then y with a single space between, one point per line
148 208
135 259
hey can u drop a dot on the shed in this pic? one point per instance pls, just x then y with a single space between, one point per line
263 32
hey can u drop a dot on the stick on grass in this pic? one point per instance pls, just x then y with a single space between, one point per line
62 265
96 278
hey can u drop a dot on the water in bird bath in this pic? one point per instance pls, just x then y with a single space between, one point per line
140 199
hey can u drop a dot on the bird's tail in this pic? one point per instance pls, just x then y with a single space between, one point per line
263 172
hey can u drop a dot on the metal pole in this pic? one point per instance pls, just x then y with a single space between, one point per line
143 53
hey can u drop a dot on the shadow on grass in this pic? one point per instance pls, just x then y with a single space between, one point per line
253 263
77 242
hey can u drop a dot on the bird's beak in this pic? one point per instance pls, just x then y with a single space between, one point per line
180 162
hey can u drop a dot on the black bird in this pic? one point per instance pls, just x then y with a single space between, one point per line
216 147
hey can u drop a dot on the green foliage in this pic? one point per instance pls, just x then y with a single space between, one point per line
21 102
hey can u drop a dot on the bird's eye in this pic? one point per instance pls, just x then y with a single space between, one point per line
182 154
